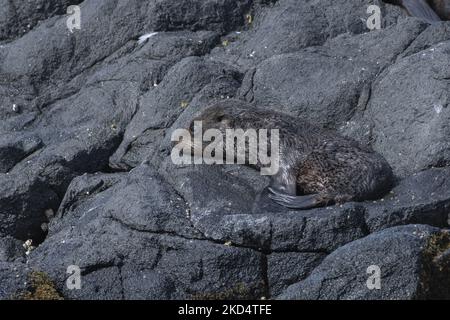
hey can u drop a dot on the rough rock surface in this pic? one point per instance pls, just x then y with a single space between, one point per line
85 168
422 251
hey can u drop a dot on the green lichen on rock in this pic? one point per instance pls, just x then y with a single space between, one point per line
438 244
41 288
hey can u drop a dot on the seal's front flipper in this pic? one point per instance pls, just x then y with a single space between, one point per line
298 202
421 9
263 203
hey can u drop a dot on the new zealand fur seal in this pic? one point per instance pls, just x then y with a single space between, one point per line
429 10
317 166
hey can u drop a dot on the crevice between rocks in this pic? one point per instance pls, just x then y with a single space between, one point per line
202 237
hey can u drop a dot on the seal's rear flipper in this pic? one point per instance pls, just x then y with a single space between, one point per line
421 9
298 202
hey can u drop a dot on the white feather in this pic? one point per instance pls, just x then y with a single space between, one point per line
146 36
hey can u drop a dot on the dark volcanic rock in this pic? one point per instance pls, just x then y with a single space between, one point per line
411 261
223 206
410 136
334 78
79 134
80 122
284 269
16 147
189 81
286 26
11 250
85 171
13 279
423 198
18 17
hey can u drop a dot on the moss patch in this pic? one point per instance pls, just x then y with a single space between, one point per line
41 288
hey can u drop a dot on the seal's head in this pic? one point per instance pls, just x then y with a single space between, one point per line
215 117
